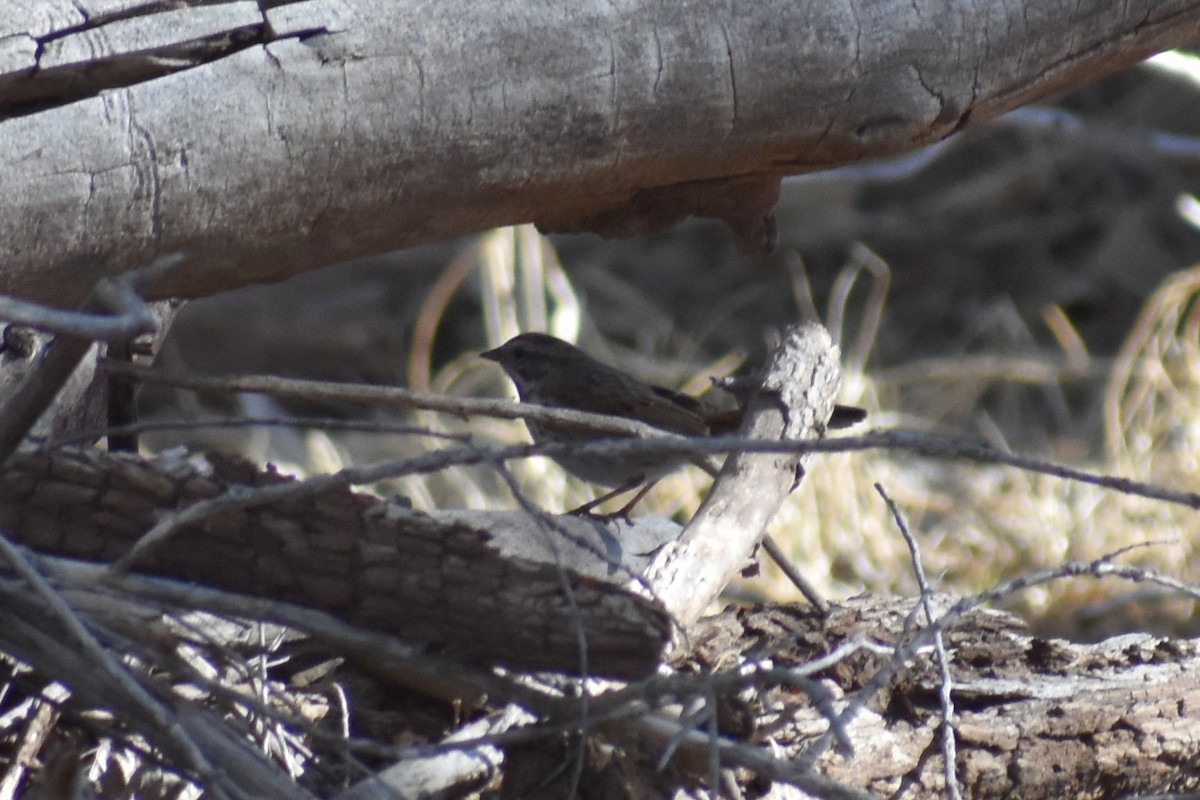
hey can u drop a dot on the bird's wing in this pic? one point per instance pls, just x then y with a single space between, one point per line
654 405
666 408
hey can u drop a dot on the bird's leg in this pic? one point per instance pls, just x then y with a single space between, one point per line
623 512
799 581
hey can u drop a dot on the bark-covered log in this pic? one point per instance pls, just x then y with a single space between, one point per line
1034 718
370 562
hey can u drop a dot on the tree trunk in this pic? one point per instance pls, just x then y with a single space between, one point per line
262 142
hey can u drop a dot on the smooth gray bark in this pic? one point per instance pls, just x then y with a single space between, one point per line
262 143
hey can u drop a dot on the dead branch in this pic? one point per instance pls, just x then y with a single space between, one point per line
114 311
795 402
454 582
369 562
281 138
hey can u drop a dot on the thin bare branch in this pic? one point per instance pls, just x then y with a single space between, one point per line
56 362
946 684
117 678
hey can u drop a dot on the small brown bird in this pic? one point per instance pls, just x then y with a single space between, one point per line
550 372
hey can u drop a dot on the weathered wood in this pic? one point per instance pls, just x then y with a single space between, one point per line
1035 718
264 142
794 403
369 562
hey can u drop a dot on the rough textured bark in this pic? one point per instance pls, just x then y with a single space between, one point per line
1035 718
371 563
266 139
794 403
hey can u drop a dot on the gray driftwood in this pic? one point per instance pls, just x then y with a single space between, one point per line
795 402
263 140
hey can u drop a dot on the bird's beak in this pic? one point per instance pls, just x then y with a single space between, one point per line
491 355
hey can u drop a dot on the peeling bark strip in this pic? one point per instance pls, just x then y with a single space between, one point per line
266 141
368 562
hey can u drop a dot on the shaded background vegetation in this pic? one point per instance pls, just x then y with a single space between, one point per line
1019 254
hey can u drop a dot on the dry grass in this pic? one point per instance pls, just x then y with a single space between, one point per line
978 524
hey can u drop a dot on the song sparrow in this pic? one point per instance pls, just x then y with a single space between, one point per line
550 372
